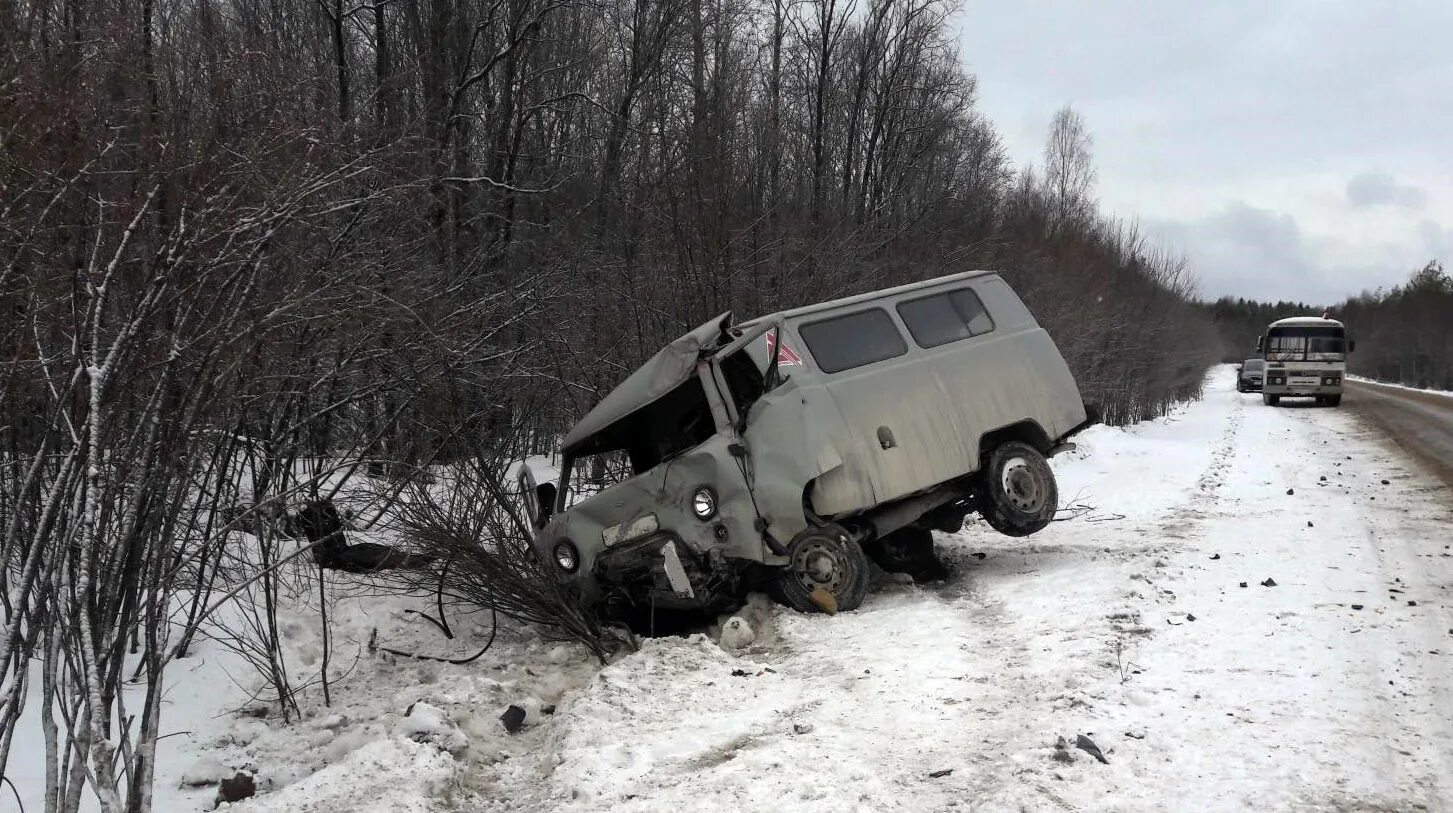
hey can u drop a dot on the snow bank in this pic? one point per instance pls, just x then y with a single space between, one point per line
394 775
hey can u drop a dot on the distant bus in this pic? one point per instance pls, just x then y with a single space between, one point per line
1306 357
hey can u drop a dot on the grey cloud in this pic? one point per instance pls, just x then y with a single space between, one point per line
1257 253
1264 254
1379 188
1437 240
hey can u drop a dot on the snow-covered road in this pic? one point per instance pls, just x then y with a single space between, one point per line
1246 607
1142 624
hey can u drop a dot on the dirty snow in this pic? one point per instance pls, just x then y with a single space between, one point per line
1125 623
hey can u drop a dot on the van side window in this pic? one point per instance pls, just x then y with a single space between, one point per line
853 340
946 317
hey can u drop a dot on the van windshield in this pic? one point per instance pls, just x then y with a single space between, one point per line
1306 344
637 443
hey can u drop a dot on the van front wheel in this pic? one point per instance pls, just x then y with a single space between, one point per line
1016 491
826 571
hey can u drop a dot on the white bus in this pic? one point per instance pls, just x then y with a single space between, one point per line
1306 356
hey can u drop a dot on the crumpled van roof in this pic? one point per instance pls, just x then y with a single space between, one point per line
675 362
660 374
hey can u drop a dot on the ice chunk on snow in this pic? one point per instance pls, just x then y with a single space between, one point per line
205 771
736 634
427 723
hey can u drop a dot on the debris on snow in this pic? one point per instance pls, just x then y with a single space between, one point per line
825 600
237 788
1088 746
1270 582
939 774
802 728
513 719
430 724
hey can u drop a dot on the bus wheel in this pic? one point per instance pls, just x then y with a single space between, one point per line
1270 400
1334 400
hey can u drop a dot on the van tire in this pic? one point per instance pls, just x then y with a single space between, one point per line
1334 400
908 550
822 558
1270 400
1016 491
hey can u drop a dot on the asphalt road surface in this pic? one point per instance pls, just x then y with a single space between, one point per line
1420 422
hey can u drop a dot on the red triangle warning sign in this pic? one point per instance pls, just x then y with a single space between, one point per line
788 356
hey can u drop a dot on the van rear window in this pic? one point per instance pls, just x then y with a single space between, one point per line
946 317
853 340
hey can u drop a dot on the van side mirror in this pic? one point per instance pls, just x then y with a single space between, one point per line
1260 340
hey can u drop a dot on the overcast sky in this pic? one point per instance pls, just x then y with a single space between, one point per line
1298 150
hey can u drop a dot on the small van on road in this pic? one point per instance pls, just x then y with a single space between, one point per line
781 452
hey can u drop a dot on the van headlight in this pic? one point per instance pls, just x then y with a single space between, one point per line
566 556
703 503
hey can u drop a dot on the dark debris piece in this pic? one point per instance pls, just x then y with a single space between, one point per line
940 774
239 787
1088 746
513 719
1269 583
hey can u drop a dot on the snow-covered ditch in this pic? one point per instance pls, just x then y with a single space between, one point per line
1237 611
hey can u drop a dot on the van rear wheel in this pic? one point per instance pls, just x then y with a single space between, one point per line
1016 490
1334 400
826 571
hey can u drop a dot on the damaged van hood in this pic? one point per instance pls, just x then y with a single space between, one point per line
660 374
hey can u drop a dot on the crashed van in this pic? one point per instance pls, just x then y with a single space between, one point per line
780 453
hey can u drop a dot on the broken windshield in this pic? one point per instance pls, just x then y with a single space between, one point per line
677 421
1306 344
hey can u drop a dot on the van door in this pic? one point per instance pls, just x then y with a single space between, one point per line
857 354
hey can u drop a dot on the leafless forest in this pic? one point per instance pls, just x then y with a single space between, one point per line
254 250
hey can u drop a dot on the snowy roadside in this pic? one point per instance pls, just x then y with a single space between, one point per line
1374 382
1127 624
1327 690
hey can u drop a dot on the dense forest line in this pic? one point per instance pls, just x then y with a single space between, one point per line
329 241
1404 334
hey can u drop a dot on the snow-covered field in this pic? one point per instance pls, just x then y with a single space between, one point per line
1251 608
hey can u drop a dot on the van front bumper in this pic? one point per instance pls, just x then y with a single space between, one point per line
660 570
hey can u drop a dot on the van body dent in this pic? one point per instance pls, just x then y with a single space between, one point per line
775 451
